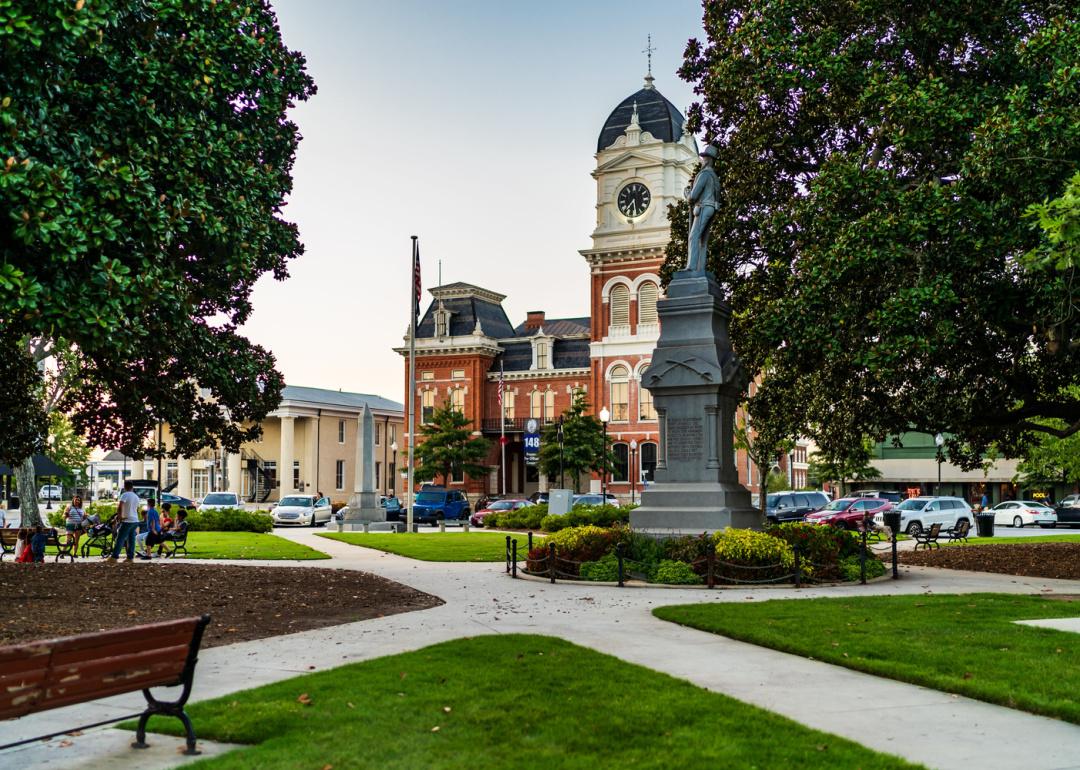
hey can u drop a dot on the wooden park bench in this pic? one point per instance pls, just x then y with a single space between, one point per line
928 538
63 544
173 543
9 536
38 676
960 532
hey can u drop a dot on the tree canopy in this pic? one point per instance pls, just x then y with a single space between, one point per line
145 158
876 162
449 448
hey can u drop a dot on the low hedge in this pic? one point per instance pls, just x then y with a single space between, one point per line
230 520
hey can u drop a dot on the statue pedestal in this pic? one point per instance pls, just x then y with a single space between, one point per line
364 509
696 381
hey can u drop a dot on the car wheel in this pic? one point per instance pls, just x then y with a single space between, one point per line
1018 522
913 529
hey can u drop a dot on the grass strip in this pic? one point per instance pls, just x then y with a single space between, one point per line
533 702
442 546
247 545
1017 540
958 644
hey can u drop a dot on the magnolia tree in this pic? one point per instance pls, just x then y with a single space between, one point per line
145 158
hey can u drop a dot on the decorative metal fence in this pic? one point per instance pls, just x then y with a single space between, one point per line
714 571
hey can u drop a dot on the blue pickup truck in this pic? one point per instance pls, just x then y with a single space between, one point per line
435 504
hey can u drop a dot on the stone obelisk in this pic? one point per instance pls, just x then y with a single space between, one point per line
363 508
696 381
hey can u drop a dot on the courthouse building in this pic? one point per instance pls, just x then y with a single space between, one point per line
645 158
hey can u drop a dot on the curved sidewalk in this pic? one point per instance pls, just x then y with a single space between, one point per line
917 723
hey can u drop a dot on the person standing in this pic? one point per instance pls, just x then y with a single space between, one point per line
75 521
127 510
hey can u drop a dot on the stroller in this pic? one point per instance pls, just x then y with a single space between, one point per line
100 537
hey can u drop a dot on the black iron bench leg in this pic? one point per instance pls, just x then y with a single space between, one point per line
175 709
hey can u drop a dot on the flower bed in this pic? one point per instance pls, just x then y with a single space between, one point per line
730 556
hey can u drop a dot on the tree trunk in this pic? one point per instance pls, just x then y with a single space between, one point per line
26 483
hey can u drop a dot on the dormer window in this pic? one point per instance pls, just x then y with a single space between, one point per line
542 346
541 355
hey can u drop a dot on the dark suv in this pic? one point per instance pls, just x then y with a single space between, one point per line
435 504
782 507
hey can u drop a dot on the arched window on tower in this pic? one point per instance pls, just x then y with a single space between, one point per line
620 468
620 394
646 303
648 461
646 408
619 301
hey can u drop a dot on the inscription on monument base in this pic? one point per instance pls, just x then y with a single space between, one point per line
684 439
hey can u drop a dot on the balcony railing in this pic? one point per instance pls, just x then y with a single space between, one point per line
513 424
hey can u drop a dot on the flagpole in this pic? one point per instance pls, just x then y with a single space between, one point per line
502 428
412 383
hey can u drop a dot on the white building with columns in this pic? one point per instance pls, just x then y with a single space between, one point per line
308 446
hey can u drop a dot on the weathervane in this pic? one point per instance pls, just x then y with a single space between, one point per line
648 51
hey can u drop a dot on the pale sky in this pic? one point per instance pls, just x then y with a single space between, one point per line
471 124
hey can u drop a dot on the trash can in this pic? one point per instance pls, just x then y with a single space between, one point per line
892 521
984 524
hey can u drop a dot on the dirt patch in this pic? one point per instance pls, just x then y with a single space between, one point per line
42 601
1047 560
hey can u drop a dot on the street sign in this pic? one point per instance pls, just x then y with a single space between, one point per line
532 442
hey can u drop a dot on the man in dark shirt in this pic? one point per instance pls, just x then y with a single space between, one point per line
179 529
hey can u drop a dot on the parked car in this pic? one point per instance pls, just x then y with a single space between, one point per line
1068 511
781 507
145 492
486 500
218 500
434 504
849 512
392 506
1020 513
179 502
50 492
891 495
919 513
301 510
539 497
593 499
497 506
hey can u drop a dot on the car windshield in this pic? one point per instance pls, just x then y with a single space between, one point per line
391 501
219 498
770 500
838 505
430 497
501 505
303 502
911 504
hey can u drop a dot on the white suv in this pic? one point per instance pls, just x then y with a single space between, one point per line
919 513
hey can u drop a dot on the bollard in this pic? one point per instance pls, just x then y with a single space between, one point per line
365 527
619 556
513 562
530 540
551 561
442 525
895 571
710 565
798 568
862 556
465 527
508 553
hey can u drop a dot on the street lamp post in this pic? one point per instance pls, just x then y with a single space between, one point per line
939 442
605 415
633 466
562 481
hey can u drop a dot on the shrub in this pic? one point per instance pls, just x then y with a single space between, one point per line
528 517
677 573
746 555
230 520
605 570
688 548
820 546
573 547
55 518
850 571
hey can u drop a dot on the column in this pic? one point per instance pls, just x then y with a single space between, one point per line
183 476
235 472
285 458
308 471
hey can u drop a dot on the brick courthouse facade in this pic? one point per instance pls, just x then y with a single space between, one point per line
644 160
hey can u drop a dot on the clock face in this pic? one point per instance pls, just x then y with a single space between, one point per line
634 199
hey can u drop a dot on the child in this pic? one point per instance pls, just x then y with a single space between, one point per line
23 552
37 543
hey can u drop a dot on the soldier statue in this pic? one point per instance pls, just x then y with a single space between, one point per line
702 199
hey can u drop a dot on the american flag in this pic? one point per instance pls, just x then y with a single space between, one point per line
416 277
502 385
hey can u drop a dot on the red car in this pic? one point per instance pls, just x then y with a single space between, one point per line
496 506
849 512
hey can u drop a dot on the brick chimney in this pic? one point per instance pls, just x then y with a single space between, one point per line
534 319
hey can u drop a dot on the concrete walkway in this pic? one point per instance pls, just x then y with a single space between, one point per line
922 725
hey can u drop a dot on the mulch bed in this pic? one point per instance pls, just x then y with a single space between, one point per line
42 601
1047 560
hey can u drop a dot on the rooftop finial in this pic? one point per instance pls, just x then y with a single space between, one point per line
648 51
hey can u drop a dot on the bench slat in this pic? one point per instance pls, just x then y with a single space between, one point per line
159 670
73 657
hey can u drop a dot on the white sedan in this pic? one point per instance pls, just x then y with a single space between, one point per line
302 510
1022 513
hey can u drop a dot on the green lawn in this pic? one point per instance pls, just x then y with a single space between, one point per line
442 546
506 701
1074 538
246 545
958 644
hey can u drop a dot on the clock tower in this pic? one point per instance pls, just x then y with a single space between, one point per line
644 160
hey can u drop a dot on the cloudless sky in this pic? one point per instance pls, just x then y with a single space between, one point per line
471 124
